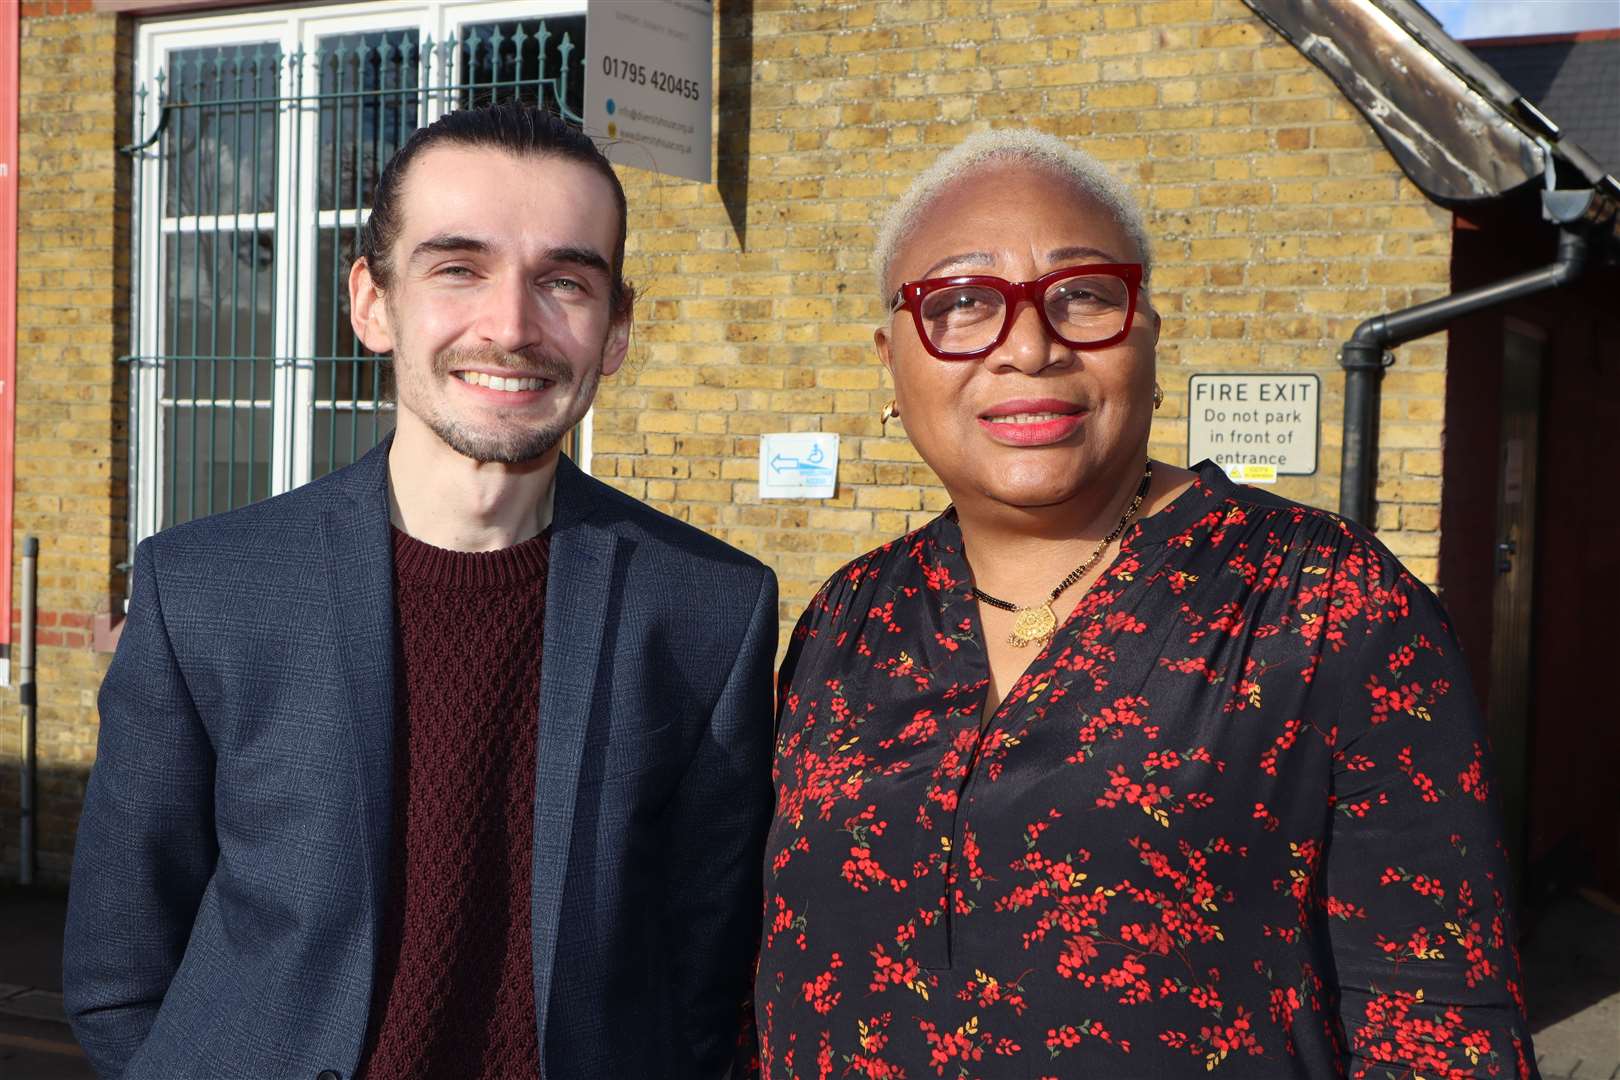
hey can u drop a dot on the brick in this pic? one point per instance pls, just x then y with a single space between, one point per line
889 498
1127 96
1355 191
1244 34
1069 74
1405 543
1421 462
1419 519
1117 44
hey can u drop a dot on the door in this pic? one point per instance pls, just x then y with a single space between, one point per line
1512 636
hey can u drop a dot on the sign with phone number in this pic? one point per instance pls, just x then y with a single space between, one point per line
648 86
615 67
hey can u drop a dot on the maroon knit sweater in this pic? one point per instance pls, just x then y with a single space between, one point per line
454 995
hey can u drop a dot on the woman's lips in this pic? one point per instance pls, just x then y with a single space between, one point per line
1032 422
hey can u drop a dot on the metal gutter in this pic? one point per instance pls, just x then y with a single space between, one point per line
1587 222
1460 59
1457 129
1365 356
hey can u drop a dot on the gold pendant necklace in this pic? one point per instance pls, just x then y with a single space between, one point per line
1038 623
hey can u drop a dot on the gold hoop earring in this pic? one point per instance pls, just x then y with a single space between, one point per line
1158 396
891 411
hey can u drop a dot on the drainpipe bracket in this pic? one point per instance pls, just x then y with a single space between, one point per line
1355 356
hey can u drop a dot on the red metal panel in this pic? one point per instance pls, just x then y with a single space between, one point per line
10 44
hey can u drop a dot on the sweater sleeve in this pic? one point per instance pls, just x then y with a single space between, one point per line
1418 892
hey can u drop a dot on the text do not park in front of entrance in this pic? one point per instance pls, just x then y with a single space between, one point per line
1255 426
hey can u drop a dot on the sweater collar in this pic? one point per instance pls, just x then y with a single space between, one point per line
420 563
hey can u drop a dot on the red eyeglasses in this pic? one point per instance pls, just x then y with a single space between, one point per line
965 318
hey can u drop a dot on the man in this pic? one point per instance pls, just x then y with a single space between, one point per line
454 762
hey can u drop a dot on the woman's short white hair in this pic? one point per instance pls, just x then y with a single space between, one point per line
1009 146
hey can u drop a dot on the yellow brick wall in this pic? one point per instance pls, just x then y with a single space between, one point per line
1279 220
72 302
1280 223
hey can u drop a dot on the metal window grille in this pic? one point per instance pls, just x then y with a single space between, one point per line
251 186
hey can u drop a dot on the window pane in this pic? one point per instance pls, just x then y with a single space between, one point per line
217 375
346 430
216 451
218 296
353 396
369 106
524 59
220 140
334 253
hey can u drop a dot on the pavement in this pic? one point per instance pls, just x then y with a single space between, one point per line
1571 975
35 1043
1572 983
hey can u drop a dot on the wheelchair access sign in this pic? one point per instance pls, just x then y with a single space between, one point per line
798 465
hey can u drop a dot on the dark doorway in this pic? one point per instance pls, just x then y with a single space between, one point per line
1530 544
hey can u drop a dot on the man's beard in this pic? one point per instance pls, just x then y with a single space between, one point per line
518 444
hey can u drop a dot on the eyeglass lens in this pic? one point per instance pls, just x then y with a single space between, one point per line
966 318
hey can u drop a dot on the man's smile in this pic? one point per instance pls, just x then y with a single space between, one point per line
507 383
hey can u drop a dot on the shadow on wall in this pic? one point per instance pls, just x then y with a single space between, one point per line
734 96
58 795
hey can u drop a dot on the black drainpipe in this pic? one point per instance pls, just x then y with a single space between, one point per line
1365 356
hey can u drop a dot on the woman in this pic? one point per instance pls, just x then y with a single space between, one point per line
1114 769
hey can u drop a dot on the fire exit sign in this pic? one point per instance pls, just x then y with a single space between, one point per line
1255 427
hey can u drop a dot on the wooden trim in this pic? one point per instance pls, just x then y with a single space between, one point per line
1572 36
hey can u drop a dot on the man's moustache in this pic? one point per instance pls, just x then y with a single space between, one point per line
543 365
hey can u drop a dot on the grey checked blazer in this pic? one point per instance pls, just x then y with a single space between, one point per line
228 882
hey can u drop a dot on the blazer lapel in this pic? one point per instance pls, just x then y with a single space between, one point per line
578 584
360 581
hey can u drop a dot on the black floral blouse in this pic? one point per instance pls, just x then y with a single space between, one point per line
1236 819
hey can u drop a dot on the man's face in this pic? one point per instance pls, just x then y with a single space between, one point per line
498 310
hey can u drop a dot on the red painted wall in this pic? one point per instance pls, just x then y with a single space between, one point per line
10 44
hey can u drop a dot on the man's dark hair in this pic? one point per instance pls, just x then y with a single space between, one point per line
516 128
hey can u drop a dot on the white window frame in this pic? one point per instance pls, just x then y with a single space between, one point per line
293 289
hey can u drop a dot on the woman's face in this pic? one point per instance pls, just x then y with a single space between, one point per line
1036 422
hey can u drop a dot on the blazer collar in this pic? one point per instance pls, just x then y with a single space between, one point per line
584 587
576 496
366 481
359 568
